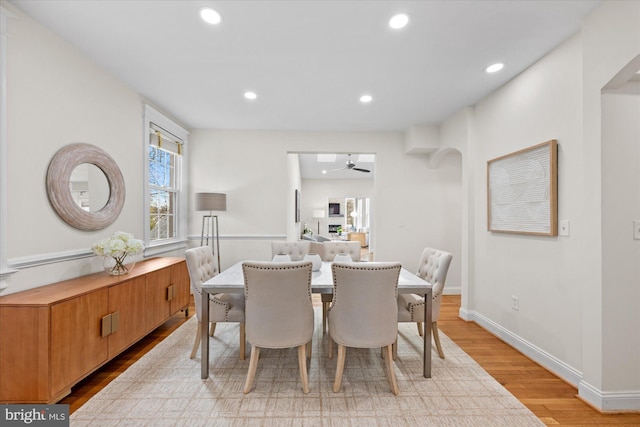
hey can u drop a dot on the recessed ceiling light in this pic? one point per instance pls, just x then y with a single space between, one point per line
210 16
399 21
250 95
324 171
494 67
365 99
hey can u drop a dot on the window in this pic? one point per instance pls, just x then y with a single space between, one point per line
165 204
163 190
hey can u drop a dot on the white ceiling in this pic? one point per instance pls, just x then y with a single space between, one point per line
311 167
309 61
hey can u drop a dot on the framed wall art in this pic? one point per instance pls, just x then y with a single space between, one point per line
522 191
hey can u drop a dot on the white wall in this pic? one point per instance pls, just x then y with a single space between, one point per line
611 38
414 206
579 299
57 97
620 252
541 104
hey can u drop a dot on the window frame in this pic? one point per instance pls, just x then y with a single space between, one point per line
154 117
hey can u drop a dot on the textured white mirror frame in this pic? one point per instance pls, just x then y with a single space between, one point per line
58 189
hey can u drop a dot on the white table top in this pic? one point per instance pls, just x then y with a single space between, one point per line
232 280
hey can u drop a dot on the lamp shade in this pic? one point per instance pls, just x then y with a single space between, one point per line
318 213
211 202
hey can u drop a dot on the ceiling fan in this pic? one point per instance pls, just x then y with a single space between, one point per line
350 166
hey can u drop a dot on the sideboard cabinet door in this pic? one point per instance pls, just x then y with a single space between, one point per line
77 345
181 290
127 300
158 306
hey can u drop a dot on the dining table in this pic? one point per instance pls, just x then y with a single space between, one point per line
231 280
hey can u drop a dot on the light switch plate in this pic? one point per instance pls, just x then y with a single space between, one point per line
563 227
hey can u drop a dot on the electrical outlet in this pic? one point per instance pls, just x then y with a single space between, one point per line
515 303
563 227
636 229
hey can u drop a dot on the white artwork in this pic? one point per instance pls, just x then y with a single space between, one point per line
522 191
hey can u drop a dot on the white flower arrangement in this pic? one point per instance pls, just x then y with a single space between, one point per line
118 246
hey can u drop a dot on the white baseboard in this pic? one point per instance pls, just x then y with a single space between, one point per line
627 401
452 290
609 401
558 367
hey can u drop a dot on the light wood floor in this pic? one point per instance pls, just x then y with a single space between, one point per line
547 396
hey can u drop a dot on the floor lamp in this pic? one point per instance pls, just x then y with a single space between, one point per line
318 214
211 202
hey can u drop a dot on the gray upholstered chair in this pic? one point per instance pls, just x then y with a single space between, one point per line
279 311
364 312
222 307
433 267
328 253
295 249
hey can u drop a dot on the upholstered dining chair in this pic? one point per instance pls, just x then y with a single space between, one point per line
295 249
364 312
335 247
328 253
433 267
222 307
279 311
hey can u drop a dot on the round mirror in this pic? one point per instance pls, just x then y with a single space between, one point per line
95 170
89 187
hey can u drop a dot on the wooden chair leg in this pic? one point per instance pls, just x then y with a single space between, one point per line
394 349
391 375
420 332
325 309
309 348
302 364
212 328
243 340
330 347
196 344
342 351
253 365
436 338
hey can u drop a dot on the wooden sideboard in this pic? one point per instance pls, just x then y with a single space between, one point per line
53 336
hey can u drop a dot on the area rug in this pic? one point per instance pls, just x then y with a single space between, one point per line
164 388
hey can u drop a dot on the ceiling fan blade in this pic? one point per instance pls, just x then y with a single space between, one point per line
361 170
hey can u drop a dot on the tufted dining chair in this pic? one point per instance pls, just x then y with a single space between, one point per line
334 247
279 311
222 307
364 312
328 253
295 249
433 267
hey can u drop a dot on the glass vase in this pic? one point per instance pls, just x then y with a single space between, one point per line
117 266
